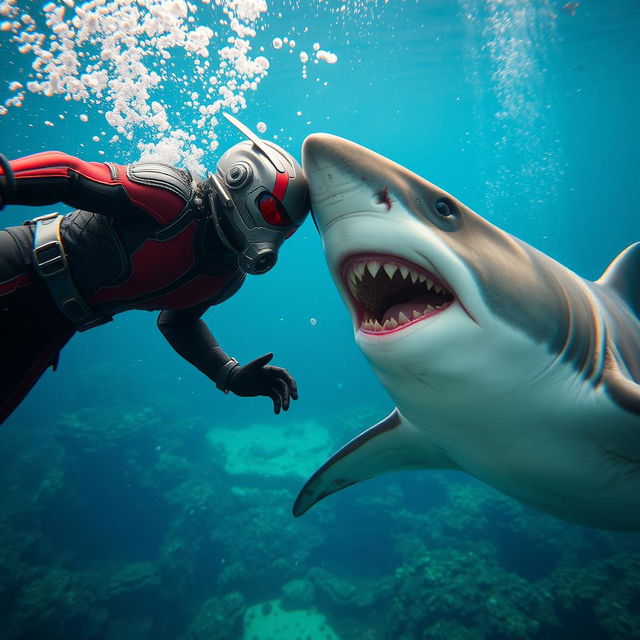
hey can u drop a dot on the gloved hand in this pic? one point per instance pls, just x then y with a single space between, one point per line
257 379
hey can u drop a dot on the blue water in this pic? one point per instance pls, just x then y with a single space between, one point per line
120 520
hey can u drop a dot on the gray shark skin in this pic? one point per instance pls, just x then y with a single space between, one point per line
502 362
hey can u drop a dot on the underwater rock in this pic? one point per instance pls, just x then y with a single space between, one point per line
147 432
272 450
180 557
449 586
475 514
197 506
14 571
198 497
170 470
260 542
297 594
337 591
134 589
128 628
451 630
60 605
604 596
93 431
218 618
272 622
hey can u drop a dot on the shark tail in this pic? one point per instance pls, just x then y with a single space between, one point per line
393 444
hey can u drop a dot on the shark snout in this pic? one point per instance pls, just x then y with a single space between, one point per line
323 151
331 175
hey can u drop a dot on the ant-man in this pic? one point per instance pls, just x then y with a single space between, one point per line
143 236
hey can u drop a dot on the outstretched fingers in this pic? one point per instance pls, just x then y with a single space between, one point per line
284 376
281 387
277 400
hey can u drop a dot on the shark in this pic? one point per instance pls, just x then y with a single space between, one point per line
502 362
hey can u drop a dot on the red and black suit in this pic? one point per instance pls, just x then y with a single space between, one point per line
141 237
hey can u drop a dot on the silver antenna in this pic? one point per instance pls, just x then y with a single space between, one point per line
272 156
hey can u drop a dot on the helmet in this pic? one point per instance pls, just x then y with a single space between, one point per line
264 199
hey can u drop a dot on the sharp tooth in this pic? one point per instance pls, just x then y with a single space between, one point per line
393 322
387 324
377 326
430 307
438 289
429 284
359 270
402 318
404 271
416 314
374 267
352 287
421 277
414 275
390 269
366 325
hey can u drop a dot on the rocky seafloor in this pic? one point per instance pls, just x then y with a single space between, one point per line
121 522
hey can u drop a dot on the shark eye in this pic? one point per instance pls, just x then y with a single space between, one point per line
445 207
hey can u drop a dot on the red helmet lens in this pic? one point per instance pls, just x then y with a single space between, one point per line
272 210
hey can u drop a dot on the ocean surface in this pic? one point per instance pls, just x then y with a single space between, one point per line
138 502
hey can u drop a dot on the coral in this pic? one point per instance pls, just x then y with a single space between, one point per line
261 536
135 587
169 470
338 592
91 431
297 594
605 594
188 553
62 603
142 496
180 558
523 540
449 586
217 618
451 630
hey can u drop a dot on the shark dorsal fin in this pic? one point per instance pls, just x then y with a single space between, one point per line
623 276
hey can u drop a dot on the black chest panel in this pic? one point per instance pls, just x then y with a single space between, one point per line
154 174
106 254
94 250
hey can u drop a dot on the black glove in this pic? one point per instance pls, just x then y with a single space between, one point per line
257 379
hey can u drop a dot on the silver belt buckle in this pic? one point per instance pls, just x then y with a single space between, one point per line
50 259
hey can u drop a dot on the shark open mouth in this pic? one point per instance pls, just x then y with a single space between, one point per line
390 294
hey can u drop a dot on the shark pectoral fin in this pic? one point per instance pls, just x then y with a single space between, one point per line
393 444
623 276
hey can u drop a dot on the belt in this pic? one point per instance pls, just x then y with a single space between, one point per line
51 264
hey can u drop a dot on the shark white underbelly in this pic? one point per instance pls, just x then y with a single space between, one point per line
502 362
